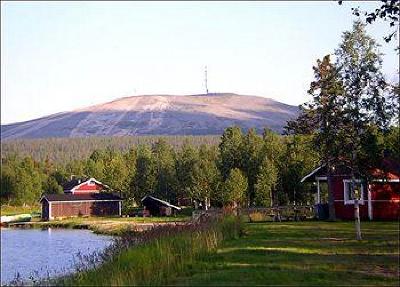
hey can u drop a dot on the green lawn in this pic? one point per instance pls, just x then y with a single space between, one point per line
302 253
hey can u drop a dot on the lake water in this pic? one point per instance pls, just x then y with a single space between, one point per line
33 250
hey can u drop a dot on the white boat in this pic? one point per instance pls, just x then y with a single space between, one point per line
15 218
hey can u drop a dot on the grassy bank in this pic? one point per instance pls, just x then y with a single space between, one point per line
104 225
12 210
302 253
162 254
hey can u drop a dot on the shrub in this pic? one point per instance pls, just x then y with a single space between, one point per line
257 217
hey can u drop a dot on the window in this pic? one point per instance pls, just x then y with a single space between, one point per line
91 183
349 194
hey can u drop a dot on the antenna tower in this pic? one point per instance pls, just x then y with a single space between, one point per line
205 79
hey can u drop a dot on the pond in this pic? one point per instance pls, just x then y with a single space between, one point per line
35 251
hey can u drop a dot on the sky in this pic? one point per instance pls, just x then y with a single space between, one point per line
60 56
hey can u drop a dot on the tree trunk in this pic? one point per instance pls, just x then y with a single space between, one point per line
357 219
235 208
205 203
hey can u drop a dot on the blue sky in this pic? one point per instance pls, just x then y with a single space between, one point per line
59 56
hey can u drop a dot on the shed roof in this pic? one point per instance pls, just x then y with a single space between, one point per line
81 197
163 202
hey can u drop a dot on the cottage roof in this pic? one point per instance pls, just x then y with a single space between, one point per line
388 169
81 197
162 202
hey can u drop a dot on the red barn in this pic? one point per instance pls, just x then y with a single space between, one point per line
84 186
379 198
82 197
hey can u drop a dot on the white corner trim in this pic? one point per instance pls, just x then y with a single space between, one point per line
50 217
311 173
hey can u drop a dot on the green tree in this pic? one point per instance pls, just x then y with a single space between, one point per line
387 10
94 168
8 178
391 141
235 187
145 177
266 181
51 186
323 117
230 150
116 173
130 162
164 158
186 160
366 100
206 177
252 148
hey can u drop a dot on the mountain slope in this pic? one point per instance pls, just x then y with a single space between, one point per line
159 115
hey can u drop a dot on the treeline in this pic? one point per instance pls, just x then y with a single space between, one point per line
63 150
246 169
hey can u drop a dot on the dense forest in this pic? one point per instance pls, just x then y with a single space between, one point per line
63 150
244 168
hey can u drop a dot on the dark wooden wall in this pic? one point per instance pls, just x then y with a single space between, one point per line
88 208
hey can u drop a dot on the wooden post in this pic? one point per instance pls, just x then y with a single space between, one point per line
370 216
357 219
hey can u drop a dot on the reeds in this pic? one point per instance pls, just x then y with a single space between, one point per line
153 257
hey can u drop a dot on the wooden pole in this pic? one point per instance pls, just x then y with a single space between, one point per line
357 219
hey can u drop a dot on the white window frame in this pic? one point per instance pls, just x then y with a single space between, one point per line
345 192
91 183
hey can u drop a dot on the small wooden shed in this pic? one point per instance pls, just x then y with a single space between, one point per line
158 207
70 205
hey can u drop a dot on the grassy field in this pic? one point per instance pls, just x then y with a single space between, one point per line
302 253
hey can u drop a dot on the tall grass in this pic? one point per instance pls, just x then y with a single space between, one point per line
156 256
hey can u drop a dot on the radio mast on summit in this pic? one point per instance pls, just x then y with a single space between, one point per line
205 79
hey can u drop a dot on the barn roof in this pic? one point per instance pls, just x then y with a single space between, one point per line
162 202
81 197
74 183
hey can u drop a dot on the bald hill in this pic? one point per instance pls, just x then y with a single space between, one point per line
159 115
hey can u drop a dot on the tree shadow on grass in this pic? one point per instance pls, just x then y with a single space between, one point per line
258 266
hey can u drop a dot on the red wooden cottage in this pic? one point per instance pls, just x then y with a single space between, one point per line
82 197
379 198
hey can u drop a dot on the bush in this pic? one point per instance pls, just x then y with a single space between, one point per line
257 217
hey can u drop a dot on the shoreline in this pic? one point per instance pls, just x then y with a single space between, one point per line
105 226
